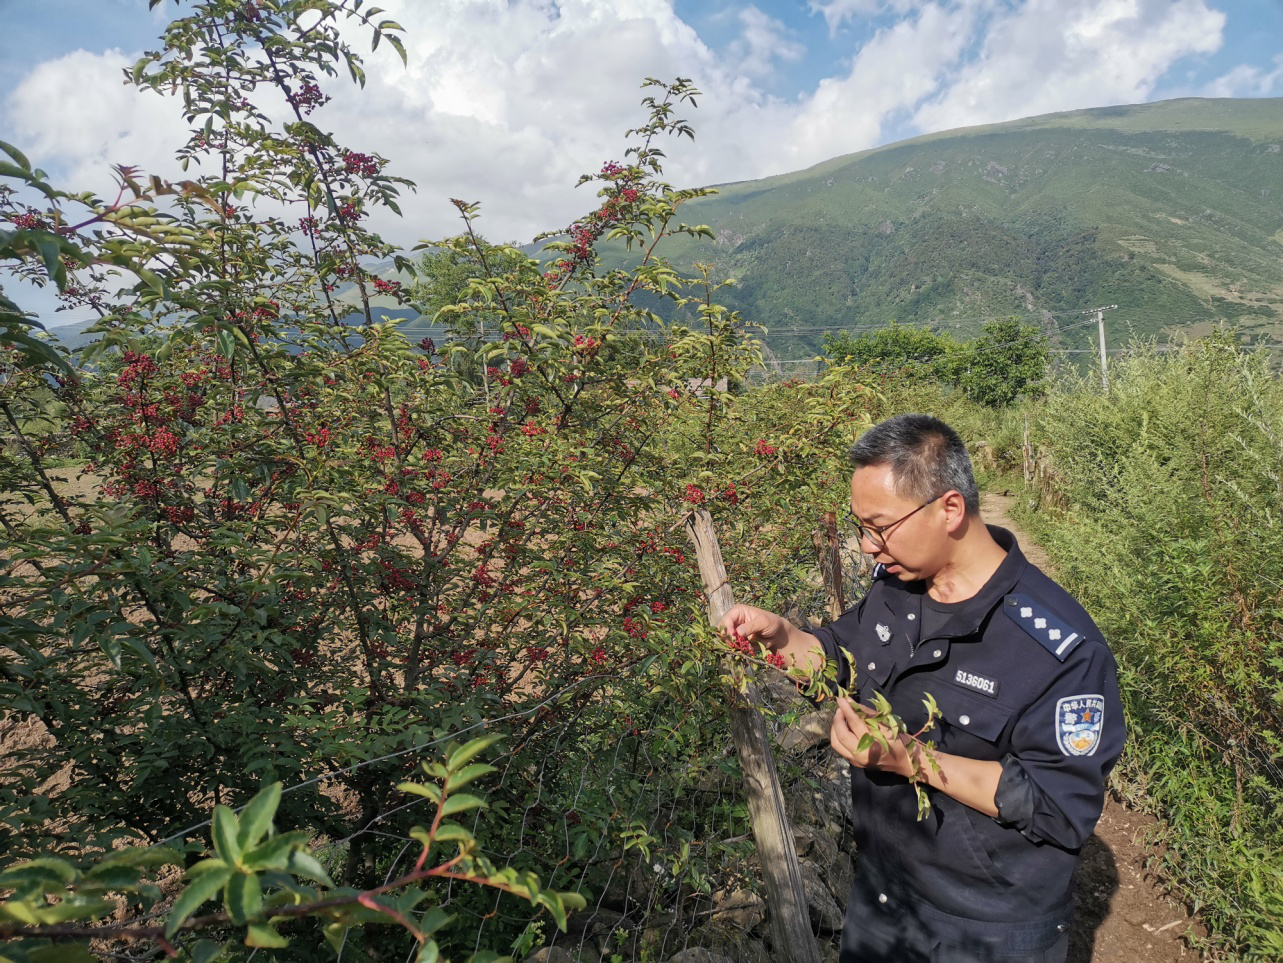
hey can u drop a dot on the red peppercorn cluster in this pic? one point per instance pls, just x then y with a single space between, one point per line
745 647
363 164
309 98
29 221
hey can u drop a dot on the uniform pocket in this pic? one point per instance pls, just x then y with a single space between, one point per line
970 841
973 715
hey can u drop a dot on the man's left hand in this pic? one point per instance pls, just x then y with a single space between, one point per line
851 724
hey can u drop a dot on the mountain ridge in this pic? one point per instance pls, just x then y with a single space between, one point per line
1169 209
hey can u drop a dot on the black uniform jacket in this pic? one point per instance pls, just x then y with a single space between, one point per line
1022 677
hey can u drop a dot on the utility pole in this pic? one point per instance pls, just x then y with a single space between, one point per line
1100 324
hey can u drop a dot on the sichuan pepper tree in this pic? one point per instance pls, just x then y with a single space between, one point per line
299 548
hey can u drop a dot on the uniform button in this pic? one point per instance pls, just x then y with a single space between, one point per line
872 666
1061 927
882 897
965 720
937 653
912 616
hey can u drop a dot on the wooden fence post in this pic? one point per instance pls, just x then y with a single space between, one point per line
786 898
830 559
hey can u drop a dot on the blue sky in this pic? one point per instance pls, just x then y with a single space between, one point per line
506 102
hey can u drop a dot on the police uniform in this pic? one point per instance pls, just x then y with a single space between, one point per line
1022 677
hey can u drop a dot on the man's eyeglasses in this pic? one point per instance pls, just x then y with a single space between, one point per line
877 533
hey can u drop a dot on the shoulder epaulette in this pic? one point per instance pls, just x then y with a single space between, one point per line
1042 626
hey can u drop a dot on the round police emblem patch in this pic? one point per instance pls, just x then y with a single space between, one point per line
1079 721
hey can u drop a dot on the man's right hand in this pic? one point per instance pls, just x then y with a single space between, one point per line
756 625
775 632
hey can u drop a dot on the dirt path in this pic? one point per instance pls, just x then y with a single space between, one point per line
1124 915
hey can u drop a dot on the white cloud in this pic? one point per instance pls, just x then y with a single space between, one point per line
507 103
762 42
838 12
890 74
1048 55
1248 81
76 117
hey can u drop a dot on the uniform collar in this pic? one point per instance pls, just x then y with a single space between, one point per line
967 619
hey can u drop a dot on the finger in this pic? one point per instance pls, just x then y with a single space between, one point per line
849 712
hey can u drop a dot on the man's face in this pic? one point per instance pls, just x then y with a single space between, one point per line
911 548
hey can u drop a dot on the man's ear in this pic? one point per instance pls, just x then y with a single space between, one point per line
955 510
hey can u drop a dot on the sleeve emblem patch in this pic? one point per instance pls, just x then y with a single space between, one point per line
1079 722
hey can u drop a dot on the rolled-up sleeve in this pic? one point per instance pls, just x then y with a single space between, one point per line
1063 746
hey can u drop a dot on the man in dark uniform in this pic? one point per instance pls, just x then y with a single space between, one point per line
1030 717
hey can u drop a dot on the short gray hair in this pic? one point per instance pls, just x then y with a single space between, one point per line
927 458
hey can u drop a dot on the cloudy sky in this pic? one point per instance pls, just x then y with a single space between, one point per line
506 102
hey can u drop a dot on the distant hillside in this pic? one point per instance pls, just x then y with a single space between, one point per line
1173 211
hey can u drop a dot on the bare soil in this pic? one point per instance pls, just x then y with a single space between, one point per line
1125 914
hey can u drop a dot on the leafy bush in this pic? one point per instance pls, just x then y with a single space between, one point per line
306 554
1173 539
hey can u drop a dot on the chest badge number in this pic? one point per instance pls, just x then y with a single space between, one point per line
883 632
1079 721
978 682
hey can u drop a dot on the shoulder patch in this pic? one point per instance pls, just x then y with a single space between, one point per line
1046 629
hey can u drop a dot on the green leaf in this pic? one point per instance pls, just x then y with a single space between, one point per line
265 936
335 934
303 863
244 897
274 853
36 352
461 803
151 279
469 751
427 790
226 345
48 869
197 892
226 832
16 154
256 818
452 832
428 953
470 773
205 951
51 253
434 919
62 953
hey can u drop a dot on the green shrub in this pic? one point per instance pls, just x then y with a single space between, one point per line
1173 539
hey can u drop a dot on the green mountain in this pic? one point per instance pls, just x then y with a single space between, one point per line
1173 211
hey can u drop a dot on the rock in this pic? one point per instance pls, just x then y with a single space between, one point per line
551 954
840 876
741 907
835 793
823 799
833 862
717 942
697 954
663 933
809 731
826 915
